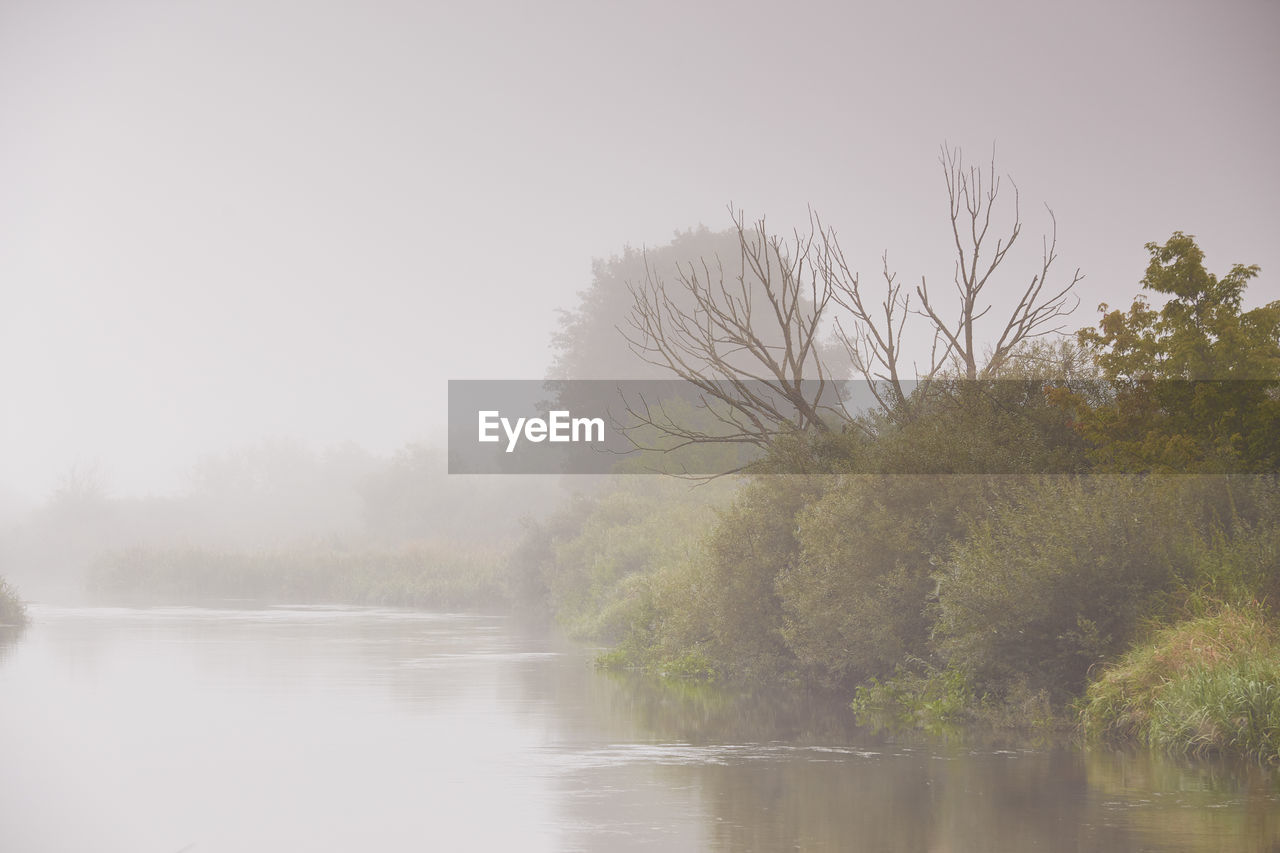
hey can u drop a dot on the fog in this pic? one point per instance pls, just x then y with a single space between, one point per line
224 223
251 598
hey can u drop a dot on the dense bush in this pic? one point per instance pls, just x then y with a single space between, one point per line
596 562
1239 558
1058 575
754 543
856 598
687 588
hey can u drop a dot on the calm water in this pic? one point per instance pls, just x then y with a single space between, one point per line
288 729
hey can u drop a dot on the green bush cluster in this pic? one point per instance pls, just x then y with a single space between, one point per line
1058 575
626 566
932 700
951 597
855 596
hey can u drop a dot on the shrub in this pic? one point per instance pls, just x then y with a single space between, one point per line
1059 575
709 608
751 546
596 557
934 699
856 599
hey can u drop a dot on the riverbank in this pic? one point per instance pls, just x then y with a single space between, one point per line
1207 686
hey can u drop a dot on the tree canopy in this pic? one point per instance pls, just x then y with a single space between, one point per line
1196 382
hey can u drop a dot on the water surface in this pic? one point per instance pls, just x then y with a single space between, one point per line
331 729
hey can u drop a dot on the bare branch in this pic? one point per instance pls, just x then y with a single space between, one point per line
748 343
971 209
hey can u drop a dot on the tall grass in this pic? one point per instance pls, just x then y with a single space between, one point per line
436 575
1206 685
13 612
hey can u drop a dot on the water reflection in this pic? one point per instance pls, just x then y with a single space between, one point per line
338 729
794 772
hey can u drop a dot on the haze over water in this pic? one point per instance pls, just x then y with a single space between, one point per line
319 729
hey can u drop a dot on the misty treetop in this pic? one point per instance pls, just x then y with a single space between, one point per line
588 344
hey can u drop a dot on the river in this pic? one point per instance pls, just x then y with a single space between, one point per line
161 730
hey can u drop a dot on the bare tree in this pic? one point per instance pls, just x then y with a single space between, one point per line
875 328
1039 306
873 332
753 342
749 342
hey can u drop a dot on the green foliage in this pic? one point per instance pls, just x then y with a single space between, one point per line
855 599
1199 333
1058 575
1195 382
628 567
709 610
531 563
935 699
693 664
615 658
669 625
940 700
13 612
599 550
753 543
1238 558
1005 424
1210 684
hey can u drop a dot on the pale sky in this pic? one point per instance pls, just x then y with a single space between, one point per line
221 221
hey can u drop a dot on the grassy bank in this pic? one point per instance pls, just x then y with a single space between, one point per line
437 575
13 613
1206 685
1203 686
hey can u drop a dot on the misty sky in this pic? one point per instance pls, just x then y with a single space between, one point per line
221 221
